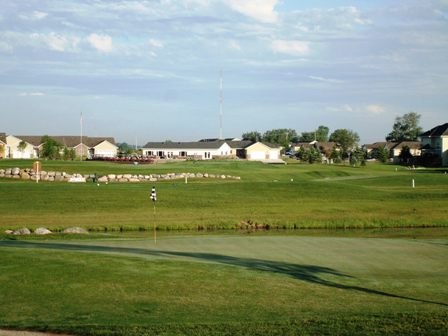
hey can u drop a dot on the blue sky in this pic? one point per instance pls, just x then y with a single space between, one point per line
150 69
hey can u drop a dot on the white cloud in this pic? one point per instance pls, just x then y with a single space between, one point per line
326 80
5 47
296 48
34 16
25 94
234 45
100 42
260 10
375 109
57 41
156 43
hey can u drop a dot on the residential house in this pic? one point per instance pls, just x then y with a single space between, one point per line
414 149
19 148
89 147
377 145
206 150
3 145
435 143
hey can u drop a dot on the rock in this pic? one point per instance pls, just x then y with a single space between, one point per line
123 180
103 179
127 176
9 231
15 176
75 230
15 171
51 174
111 176
43 173
2 171
199 175
205 175
152 179
25 176
50 178
2 174
42 231
59 178
134 180
223 176
23 231
8 171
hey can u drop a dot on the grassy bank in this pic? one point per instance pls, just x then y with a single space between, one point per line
226 285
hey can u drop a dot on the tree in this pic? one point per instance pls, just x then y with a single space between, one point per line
50 148
381 154
336 155
252 136
281 136
406 156
358 157
72 154
65 153
322 133
21 146
405 128
307 136
346 138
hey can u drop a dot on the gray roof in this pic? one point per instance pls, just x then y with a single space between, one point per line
436 131
410 144
66 140
3 137
385 144
185 145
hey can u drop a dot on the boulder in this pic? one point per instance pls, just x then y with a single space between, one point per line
111 176
127 176
42 231
43 173
123 180
152 179
51 174
15 171
25 176
23 231
9 231
15 176
75 230
8 171
2 174
199 175
2 171
134 179
103 179
59 178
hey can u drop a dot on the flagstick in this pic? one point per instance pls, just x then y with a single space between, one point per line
155 231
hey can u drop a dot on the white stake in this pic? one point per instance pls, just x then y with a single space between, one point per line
413 183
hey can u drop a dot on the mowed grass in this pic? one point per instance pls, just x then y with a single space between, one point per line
289 196
226 285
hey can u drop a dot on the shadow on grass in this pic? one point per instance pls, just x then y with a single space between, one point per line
308 273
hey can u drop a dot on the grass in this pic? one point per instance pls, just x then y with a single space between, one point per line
226 285
294 196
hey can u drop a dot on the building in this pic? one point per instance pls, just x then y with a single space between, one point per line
414 149
206 150
435 143
90 147
3 145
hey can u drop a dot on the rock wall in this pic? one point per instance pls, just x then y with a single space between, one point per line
53 176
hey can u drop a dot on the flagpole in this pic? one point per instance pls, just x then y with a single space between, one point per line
81 138
155 229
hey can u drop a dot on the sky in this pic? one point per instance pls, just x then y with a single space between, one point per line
150 70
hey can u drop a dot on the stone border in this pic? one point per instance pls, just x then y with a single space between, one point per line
53 176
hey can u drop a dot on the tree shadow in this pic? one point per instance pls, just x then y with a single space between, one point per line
308 273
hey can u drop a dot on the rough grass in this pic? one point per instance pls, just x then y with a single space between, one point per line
294 196
226 285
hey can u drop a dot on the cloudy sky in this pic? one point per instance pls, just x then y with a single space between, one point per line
150 69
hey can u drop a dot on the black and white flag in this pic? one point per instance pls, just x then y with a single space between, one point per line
153 194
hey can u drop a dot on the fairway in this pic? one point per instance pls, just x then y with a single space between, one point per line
224 284
293 196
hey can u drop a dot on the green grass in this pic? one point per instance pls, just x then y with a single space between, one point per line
226 285
318 196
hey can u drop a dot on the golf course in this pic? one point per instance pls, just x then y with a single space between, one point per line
293 249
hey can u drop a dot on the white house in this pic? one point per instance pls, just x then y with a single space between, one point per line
435 142
204 150
17 148
260 151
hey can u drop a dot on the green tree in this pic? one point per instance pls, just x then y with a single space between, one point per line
346 138
405 128
72 154
252 136
405 156
50 148
21 146
65 153
381 154
322 133
358 157
281 136
307 136
336 155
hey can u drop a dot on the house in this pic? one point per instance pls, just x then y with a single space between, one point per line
262 151
19 148
414 149
435 143
90 147
3 145
206 150
377 145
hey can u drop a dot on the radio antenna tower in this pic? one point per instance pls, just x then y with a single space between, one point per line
221 98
